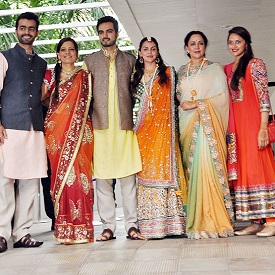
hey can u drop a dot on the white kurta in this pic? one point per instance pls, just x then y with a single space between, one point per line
23 155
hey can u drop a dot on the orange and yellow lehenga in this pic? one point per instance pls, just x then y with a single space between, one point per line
161 183
202 137
254 184
69 141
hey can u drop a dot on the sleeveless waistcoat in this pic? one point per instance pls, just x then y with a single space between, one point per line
21 94
98 64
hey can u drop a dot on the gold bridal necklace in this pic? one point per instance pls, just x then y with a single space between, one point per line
193 91
150 72
69 73
149 91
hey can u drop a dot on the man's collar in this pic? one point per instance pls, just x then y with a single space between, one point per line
106 53
22 50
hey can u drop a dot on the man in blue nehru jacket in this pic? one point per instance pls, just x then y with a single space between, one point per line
22 145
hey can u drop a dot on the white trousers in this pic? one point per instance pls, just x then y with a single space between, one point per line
18 205
106 202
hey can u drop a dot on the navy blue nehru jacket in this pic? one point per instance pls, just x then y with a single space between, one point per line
21 95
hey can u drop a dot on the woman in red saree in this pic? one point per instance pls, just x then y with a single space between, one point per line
161 183
255 183
69 141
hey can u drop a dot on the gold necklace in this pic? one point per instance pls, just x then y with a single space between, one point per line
150 72
149 91
69 73
193 91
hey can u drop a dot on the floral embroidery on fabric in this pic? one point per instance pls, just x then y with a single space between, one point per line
51 125
259 76
193 144
76 210
49 80
238 94
73 135
85 183
88 135
164 175
71 177
72 159
52 146
157 224
160 203
231 145
207 124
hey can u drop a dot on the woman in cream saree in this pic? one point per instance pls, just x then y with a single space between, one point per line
203 140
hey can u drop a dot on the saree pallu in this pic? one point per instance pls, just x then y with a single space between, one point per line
161 183
202 136
255 185
69 142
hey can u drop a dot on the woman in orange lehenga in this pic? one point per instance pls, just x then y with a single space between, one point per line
69 142
161 182
255 184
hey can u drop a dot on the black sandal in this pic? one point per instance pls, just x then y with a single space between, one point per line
3 244
27 241
107 234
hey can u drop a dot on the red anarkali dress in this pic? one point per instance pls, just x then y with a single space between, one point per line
255 184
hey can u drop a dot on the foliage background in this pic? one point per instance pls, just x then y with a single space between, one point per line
56 17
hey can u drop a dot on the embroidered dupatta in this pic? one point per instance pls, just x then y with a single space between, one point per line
156 129
69 144
231 135
202 137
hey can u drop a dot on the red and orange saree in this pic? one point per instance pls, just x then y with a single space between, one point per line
69 141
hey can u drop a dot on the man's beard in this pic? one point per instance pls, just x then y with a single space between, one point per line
26 42
108 43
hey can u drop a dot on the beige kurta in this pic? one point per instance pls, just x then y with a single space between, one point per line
23 155
116 151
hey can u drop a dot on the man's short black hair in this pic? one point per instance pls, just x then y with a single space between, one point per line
29 16
106 19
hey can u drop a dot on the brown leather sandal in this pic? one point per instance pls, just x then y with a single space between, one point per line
27 241
134 234
3 244
106 235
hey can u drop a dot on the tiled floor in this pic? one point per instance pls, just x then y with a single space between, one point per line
236 255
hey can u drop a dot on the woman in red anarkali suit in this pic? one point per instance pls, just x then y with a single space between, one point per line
254 184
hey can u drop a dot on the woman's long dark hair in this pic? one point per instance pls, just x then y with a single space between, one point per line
139 67
58 66
244 60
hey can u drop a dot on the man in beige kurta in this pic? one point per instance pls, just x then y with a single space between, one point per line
116 152
22 145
